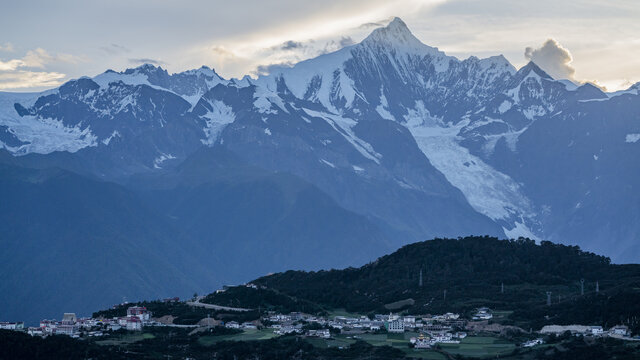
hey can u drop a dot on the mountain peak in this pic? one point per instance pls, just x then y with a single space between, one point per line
533 67
395 33
145 68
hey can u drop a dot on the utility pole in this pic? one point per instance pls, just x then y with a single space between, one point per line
597 287
420 283
502 288
581 286
548 298
445 296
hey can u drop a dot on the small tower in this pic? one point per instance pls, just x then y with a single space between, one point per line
420 282
548 298
444 297
502 288
581 286
597 287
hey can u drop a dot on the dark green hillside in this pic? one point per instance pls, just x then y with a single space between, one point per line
471 270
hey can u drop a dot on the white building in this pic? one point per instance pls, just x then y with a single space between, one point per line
445 338
322 333
421 342
621 330
140 312
532 343
288 329
11 325
483 313
66 329
232 325
597 330
395 326
69 318
35 331
134 323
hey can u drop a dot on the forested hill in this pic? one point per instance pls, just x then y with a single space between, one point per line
471 270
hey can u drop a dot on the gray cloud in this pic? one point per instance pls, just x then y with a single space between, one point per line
291 52
376 24
553 59
289 45
370 25
346 41
115 49
335 45
268 68
146 61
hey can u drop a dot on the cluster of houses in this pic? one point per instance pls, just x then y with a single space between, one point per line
73 326
483 313
618 331
432 329
423 323
4 325
237 325
429 339
438 327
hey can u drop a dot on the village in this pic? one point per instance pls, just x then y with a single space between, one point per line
430 330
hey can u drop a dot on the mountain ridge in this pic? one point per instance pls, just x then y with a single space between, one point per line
404 141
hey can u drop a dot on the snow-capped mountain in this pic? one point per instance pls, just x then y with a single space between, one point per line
412 142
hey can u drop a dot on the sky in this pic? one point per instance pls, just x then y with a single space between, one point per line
45 43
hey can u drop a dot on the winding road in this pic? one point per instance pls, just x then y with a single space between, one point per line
214 307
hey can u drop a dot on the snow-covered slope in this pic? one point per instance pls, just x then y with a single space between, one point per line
425 143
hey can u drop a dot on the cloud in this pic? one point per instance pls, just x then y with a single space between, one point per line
146 61
18 73
221 51
8 47
335 45
39 57
289 45
553 59
29 79
267 69
11 64
370 25
376 24
115 49
291 52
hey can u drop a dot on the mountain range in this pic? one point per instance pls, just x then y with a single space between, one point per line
142 184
